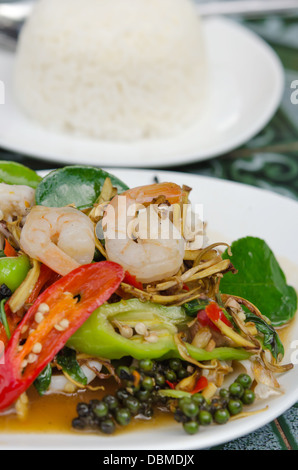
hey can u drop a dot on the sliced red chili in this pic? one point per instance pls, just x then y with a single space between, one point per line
215 313
171 384
69 301
210 315
201 384
9 250
46 278
132 281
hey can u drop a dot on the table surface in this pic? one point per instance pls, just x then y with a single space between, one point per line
269 160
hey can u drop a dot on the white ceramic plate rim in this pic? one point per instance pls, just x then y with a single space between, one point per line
69 149
173 438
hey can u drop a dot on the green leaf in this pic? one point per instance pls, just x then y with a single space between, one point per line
260 280
270 338
79 185
191 308
15 173
43 381
66 358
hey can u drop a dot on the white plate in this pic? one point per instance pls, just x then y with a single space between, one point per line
231 210
246 85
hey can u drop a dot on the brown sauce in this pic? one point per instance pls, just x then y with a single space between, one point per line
54 413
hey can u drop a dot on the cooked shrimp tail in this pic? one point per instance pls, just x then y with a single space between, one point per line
151 254
61 238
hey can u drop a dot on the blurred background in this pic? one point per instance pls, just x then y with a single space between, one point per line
269 160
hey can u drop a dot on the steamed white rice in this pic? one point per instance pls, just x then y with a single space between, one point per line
112 69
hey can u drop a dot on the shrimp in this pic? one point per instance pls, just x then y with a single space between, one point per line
61 238
156 252
15 200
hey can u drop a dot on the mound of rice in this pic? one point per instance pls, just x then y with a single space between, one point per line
112 69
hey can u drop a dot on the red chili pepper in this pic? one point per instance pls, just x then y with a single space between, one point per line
46 278
9 250
205 320
201 384
171 384
185 287
132 281
71 300
215 313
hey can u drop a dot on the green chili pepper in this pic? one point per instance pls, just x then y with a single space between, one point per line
13 271
99 335
3 318
15 173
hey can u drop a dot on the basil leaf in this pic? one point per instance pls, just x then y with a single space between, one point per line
78 185
260 280
66 358
271 339
192 308
43 381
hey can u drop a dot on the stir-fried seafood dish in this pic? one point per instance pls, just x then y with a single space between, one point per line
104 284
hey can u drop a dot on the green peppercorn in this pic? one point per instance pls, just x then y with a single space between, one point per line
235 406
221 416
224 393
133 405
111 401
83 409
236 390
143 395
182 374
100 409
191 427
245 380
123 416
148 383
107 426
205 418
175 364
160 379
78 423
170 375
124 373
248 397
198 399
122 394
147 411
146 365
188 407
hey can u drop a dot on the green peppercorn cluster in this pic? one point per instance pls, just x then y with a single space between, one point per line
196 410
139 398
133 398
